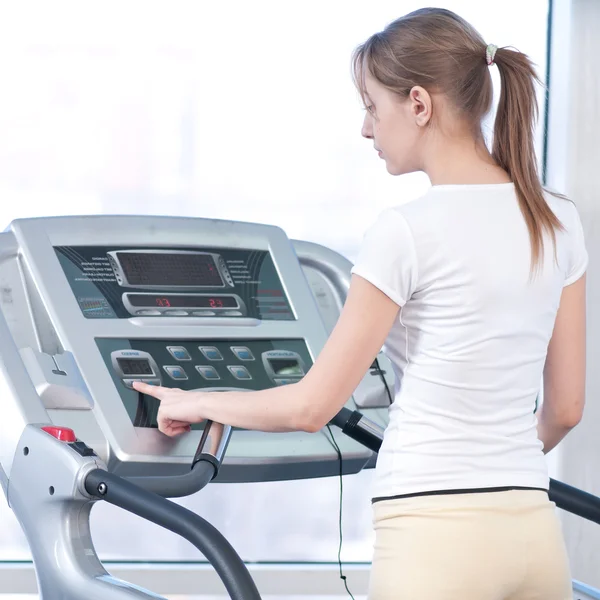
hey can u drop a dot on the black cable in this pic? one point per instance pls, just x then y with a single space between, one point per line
339 453
381 374
141 414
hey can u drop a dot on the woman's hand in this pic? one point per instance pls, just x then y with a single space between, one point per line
178 409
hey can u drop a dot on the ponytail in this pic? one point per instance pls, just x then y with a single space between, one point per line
513 146
437 49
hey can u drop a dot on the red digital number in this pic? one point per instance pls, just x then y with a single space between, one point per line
216 303
163 302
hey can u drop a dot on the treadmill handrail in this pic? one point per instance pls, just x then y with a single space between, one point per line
576 501
178 519
207 461
567 497
177 486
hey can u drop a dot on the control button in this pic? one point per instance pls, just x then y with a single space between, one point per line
240 372
179 353
82 449
285 381
148 313
204 313
175 372
176 313
211 352
208 372
242 352
129 382
63 434
151 381
231 313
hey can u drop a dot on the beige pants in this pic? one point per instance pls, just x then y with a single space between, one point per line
504 545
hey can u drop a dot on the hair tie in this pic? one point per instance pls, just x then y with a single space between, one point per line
490 54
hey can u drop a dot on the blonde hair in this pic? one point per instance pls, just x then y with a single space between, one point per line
441 52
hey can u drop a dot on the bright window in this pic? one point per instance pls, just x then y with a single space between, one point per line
239 110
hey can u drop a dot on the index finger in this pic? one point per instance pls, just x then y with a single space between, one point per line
156 391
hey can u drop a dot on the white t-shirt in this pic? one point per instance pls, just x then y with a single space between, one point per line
470 342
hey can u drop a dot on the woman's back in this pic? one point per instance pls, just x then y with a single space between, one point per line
470 345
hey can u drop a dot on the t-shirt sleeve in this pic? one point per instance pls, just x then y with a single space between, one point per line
388 258
578 256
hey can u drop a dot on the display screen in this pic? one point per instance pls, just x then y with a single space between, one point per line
284 366
135 366
121 282
170 269
177 301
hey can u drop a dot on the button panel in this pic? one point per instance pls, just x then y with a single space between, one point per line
209 363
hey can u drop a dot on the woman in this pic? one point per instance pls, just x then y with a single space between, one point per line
478 291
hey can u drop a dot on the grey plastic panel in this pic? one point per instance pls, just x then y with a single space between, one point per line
328 273
57 325
19 402
47 495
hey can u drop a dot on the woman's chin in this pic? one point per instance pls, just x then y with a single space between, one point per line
393 169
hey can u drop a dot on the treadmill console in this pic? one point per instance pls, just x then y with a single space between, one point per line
94 303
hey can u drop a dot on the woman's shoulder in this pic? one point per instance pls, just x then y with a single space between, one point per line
566 212
561 205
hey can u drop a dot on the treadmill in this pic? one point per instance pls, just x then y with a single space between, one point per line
90 304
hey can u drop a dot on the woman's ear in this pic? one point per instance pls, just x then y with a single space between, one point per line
421 106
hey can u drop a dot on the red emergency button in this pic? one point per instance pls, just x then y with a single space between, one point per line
64 434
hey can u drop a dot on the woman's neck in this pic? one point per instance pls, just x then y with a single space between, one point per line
462 161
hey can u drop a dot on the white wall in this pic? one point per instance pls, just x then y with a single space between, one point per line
574 160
